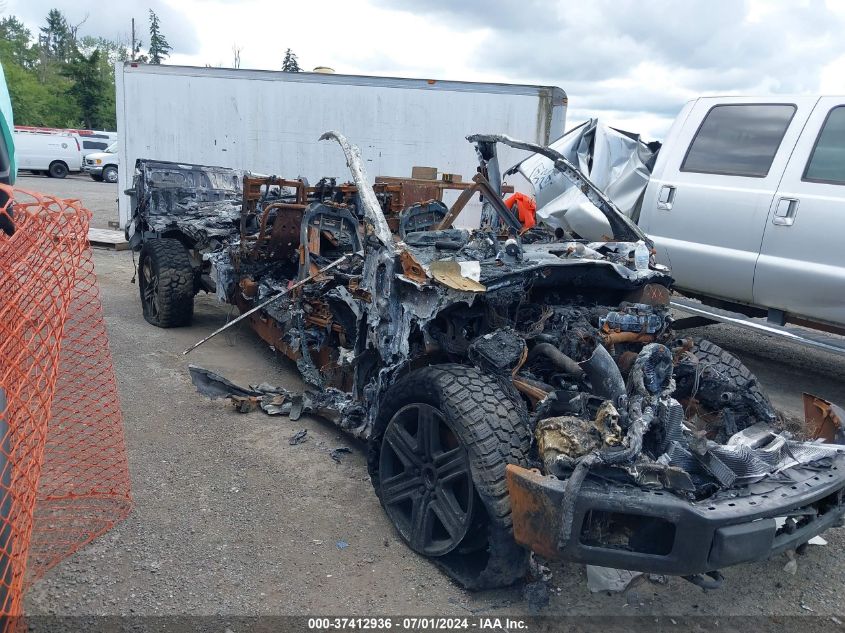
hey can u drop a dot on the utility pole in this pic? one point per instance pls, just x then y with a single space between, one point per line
133 39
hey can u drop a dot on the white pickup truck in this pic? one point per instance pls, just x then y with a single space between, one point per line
746 203
102 166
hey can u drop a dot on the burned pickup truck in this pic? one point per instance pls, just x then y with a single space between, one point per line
519 388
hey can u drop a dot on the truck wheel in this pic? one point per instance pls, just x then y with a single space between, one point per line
57 169
166 283
110 174
720 382
437 461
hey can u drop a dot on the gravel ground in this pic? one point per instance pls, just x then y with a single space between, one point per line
99 197
231 519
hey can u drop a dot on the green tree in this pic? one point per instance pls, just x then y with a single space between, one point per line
16 40
89 90
110 53
59 111
56 38
30 99
35 87
159 47
290 64
59 79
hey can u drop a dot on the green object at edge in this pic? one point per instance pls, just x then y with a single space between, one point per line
7 124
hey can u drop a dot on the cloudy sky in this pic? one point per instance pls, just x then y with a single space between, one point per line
632 62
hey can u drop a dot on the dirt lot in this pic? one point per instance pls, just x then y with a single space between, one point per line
231 519
99 197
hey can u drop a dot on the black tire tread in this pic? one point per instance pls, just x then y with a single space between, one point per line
496 434
730 366
176 282
61 165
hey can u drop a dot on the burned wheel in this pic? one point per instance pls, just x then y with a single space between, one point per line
426 483
437 460
716 386
166 283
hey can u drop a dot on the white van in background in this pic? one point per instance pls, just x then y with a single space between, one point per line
90 141
52 154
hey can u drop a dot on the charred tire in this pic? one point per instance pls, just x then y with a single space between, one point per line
110 174
57 170
166 283
723 382
490 429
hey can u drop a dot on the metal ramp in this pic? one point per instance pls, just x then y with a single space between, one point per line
803 336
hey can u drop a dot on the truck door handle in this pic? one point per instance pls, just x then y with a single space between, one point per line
785 212
666 197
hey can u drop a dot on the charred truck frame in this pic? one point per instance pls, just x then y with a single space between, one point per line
519 389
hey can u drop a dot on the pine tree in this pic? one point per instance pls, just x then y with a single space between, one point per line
159 47
56 38
290 63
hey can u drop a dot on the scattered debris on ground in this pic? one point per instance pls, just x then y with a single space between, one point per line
299 437
338 453
536 595
607 579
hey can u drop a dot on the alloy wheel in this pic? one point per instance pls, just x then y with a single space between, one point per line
426 480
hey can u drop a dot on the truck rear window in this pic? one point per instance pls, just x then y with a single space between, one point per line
738 139
827 162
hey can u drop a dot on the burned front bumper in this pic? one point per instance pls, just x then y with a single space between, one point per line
654 531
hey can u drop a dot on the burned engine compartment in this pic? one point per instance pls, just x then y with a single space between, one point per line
576 333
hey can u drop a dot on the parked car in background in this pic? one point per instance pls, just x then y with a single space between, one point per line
102 166
52 154
746 204
89 140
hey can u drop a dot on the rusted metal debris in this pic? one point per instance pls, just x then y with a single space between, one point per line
823 420
266 302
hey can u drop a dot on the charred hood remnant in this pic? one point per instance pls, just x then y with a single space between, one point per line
515 385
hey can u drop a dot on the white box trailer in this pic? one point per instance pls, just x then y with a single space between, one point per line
269 122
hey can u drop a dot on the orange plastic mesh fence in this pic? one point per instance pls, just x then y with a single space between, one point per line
63 471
